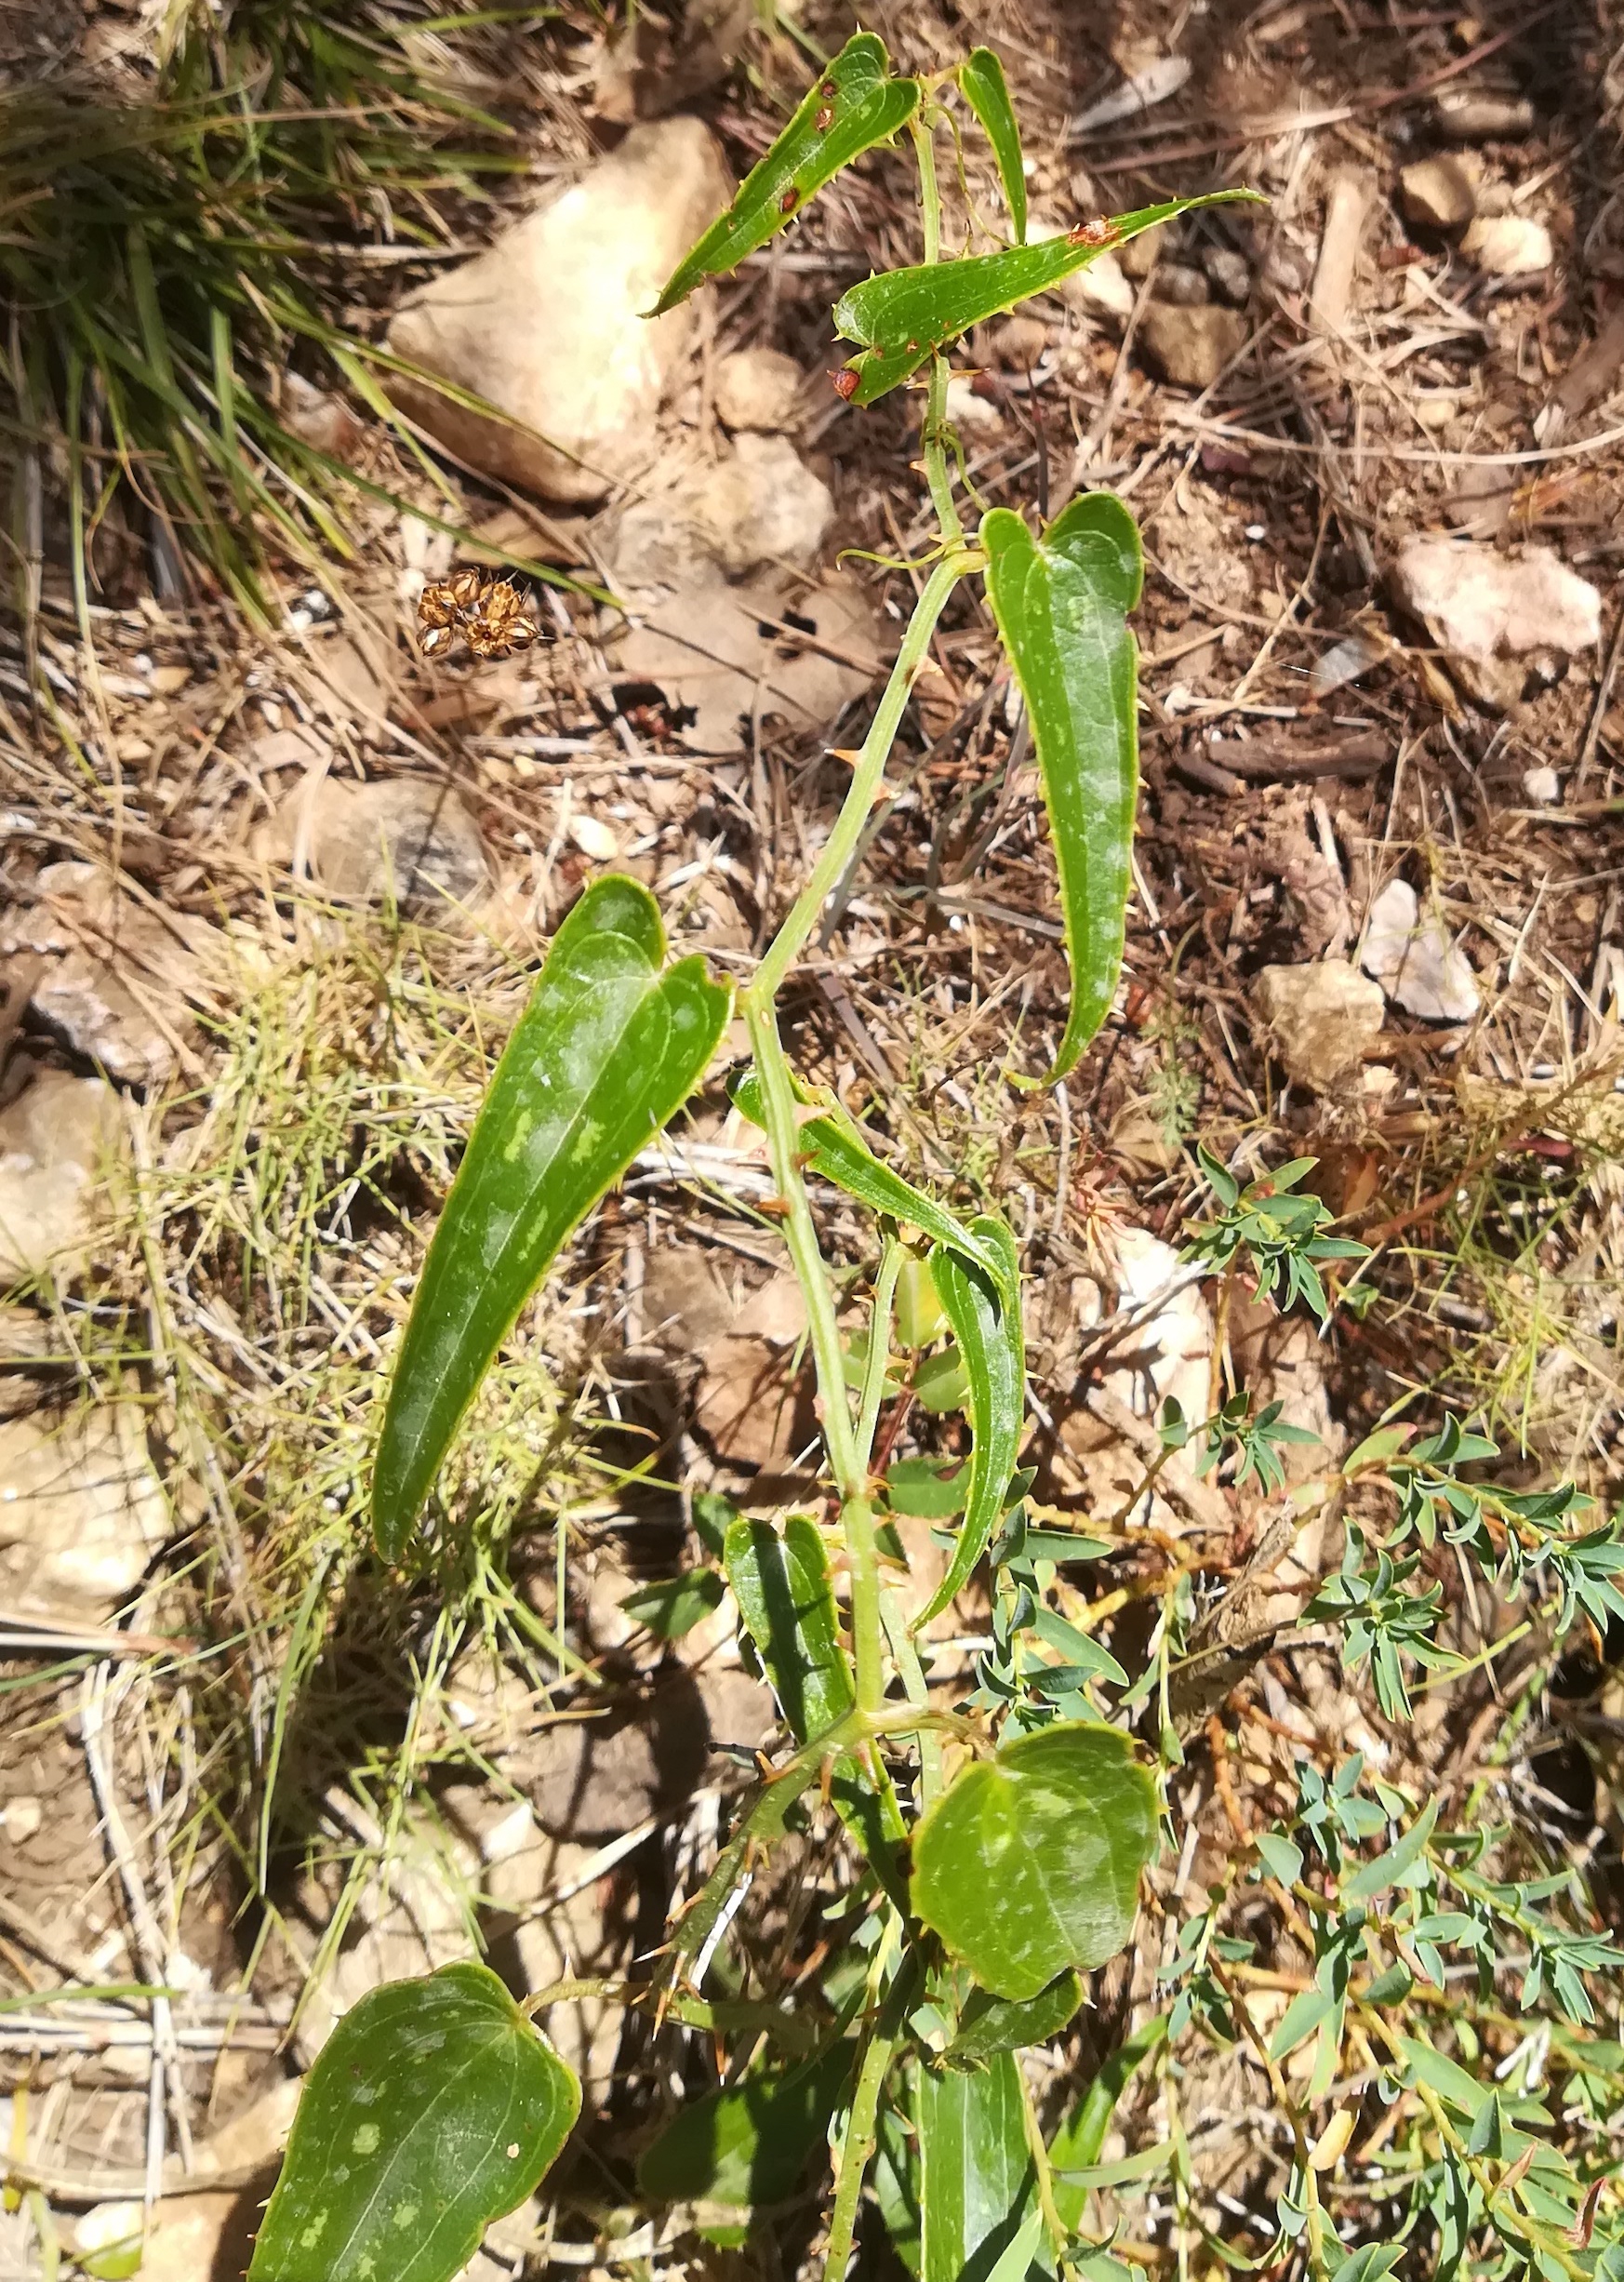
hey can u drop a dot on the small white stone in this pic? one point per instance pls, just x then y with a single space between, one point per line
594 838
1412 956
1508 245
1543 787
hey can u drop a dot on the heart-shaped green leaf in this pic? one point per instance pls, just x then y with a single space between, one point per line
903 317
750 2143
1061 603
990 1340
782 1588
1030 1861
433 2108
854 104
605 1054
987 92
978 2186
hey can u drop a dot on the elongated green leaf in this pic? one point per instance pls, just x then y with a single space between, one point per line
987 92
894 2176
1076 2146
977 2180
834 1148
854 104
1389 1868
675 1604
991 2025
750 2143
1062 605
433 2108
926 1487
903 317
782 1588
991 1341
1030 1861
606 1053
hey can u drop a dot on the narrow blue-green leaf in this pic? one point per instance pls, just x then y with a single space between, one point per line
1076 2146
987 92
1389 1868
854 104
903 317
926 1489
832 1147
977 2180
781 1585
750 2143
1299 2019
435 2107
605 1054
1030 1861
990 1337
1062 605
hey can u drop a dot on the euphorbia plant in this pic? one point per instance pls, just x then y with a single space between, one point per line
1004 1861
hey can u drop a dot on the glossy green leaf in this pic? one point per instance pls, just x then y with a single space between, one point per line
903 317
782 1588
987 92
1061 603
854 104
1030 1861
832 1147
433 2108
927 1489
990 1337
673 1607
977 2182
605 1054
749 2143
941 1383
992 2025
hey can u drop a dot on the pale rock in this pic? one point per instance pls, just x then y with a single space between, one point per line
711 648
1321 1018
757 389
351 684
1541 786
1181 286
116 975
319 419
59 1141
1020 341
1411 954
1170 1354
966 409
1101 288
1437 193
1508 245
81 1512
550 324
759 504
1471 114
416 1918
1230 272
594 838
1140 255
21 1817
1480 604
410 838
194 2236
1190 347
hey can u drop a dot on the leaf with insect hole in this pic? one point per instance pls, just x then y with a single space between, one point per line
435 2107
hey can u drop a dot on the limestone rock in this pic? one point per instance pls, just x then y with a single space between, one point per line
1508 245
57 1142
1474 115
759 504
1412 956
81 1512
1230 272
1190 347
1101 288
1321 1018
757 389
407 836
1480 604
1437 193
1182 284
117 976
548 324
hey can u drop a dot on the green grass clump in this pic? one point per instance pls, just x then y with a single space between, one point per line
165 258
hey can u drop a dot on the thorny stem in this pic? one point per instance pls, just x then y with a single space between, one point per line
929 195
857 2146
